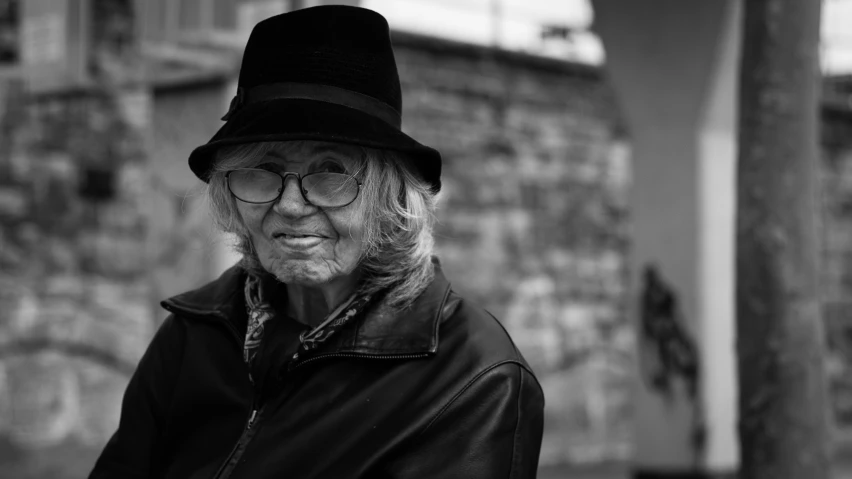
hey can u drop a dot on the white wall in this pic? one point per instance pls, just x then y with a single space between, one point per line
673 66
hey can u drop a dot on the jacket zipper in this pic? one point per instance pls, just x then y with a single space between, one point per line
240 446
245 437
256 412
243 441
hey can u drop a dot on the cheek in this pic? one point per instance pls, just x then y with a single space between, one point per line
251 215
350 233
252 219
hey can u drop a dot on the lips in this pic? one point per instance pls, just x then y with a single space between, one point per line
288 233
293 240
291 236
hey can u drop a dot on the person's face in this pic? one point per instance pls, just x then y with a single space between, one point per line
298 242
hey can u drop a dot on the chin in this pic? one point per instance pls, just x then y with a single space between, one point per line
302 272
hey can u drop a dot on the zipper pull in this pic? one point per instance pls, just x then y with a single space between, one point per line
251 419
292 362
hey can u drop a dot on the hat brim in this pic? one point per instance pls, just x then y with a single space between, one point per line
299 119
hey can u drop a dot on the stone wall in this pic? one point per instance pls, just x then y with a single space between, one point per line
75 301
99 220
75 296
533 221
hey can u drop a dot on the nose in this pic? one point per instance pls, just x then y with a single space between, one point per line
292 203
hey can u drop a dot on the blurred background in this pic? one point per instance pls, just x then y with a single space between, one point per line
583 142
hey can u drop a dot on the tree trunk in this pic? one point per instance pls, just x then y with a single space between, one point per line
783 421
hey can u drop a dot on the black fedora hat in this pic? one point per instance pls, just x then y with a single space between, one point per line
322 73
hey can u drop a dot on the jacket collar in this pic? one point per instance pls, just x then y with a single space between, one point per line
380 331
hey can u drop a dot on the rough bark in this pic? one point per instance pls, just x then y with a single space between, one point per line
783 423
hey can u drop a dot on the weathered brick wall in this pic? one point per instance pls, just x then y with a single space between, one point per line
533 221
75 302
99 219
75 297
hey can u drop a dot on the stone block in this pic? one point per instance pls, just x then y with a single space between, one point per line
14 203
60 255
44 404
101 392
22 311
122 216
12 256
21 164
113 254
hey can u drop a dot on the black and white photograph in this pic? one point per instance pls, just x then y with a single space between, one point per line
426 239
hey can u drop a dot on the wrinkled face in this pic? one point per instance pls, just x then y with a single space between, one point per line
296 241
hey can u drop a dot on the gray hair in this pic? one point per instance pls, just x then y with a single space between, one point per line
397 210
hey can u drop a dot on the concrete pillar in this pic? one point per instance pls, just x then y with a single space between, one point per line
673 65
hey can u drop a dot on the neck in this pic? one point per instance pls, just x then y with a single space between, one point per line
311 304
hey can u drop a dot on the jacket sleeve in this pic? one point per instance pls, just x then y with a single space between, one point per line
131 453
490 429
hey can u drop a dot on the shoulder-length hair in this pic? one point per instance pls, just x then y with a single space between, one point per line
397 210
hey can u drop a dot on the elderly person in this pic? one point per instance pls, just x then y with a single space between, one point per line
335 348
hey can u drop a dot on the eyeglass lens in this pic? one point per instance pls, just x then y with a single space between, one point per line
320 189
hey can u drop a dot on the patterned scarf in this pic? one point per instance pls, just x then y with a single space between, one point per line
260 310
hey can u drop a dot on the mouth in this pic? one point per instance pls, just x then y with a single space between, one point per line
296 236
298 241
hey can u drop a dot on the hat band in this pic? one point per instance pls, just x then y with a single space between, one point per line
316 92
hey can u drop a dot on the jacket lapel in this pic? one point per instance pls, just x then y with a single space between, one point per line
380 332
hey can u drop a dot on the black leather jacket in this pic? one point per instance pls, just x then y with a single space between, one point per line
437 392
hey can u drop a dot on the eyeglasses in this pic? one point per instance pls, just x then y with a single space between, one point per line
326 190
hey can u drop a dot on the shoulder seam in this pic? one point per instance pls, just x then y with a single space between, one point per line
517 427
512 342
466 387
